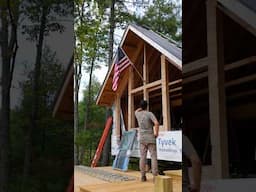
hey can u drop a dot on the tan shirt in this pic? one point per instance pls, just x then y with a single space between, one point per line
146 122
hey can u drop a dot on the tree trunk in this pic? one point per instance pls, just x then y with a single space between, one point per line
8 51
88 104
107 146
35 97
77 78
111 32
5 105
77 71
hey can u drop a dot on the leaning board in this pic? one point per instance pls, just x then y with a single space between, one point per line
123 155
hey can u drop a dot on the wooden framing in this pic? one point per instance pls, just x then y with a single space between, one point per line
146 86
240 63
195 65
117 121
165 95
145 74
217 105
177 62
226 84
158 85
227 67
131 123
123 83
157 53
170 91
241 80
220 19
195 77
240 13
162 84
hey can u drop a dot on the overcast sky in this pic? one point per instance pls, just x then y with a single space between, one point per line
61 43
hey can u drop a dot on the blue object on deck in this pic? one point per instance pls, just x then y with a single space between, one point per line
122 158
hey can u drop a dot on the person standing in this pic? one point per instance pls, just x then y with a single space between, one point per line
190 155
148 132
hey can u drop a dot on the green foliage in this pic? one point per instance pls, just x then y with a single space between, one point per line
50 80
88 139
122 15
53 9
52 152
164 17
97 112
91 34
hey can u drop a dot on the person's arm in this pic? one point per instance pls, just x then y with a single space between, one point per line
156 128
192 155
196 171
156 125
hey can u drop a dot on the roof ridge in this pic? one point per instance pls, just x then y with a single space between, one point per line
160 34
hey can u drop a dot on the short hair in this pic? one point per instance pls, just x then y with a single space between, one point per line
143 104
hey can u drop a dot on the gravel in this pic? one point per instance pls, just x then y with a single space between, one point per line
104 175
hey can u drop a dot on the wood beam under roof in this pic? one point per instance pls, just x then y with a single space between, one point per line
165 95
240 13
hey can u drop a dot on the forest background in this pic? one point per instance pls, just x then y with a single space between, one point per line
37 41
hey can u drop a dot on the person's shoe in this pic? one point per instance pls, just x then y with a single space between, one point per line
143 178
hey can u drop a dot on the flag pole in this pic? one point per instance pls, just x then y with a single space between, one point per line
133 65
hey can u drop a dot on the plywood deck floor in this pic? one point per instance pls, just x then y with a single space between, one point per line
86 183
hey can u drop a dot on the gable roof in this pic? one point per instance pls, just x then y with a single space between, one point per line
243 11
161 44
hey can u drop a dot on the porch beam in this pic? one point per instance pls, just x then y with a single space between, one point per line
217 100
165 94
145 74
131 123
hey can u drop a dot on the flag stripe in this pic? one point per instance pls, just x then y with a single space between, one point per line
115 78
124 66
121 64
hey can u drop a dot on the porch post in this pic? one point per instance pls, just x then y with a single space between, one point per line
117 115
131 123
165 95
217 100
145 75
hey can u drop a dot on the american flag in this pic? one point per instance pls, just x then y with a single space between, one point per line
121 63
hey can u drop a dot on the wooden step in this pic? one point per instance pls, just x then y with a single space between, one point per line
163 184
128 186
174 174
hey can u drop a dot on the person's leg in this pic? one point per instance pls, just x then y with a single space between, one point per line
143 156
148 166
154 165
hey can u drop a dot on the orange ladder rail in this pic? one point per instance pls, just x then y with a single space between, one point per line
102 142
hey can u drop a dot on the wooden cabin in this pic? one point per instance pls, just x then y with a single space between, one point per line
219 78
158 61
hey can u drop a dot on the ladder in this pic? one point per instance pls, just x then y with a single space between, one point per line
102 142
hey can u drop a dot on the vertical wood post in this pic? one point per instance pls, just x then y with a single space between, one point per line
131 122
145 75
217 100
117 115
165 95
